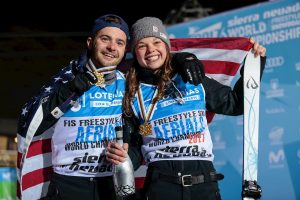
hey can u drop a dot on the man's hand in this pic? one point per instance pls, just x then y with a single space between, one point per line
189 67
84 78
82 82
115 153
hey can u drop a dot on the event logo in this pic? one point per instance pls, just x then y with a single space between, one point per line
274 84
275 135
273 63
247 25
206 32
277 110
275 90
276 159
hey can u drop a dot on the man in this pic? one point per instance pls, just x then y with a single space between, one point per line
66 127
81 107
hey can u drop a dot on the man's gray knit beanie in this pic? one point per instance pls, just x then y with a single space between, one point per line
148 27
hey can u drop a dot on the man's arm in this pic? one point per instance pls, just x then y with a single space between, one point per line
56 96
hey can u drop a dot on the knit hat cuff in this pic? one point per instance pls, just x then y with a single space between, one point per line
148 27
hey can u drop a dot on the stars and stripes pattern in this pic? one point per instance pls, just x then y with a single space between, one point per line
221 57
34 151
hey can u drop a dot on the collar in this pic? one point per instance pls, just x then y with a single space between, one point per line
150 77
147 75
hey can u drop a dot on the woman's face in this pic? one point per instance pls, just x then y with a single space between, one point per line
151 52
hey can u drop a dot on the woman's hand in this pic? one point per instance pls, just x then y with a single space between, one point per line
258 49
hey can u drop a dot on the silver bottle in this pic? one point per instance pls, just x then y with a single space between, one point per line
123 176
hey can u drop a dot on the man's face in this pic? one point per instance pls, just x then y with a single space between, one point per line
107 47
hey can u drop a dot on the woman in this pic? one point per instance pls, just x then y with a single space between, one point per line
170 114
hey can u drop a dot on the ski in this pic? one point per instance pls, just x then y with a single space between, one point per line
250 189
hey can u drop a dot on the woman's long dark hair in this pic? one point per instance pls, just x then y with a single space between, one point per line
132 82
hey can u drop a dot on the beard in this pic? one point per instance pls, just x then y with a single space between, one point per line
102 60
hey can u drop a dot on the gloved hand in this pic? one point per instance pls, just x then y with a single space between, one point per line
84 78
189 67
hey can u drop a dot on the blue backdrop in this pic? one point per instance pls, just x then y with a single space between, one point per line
276 25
